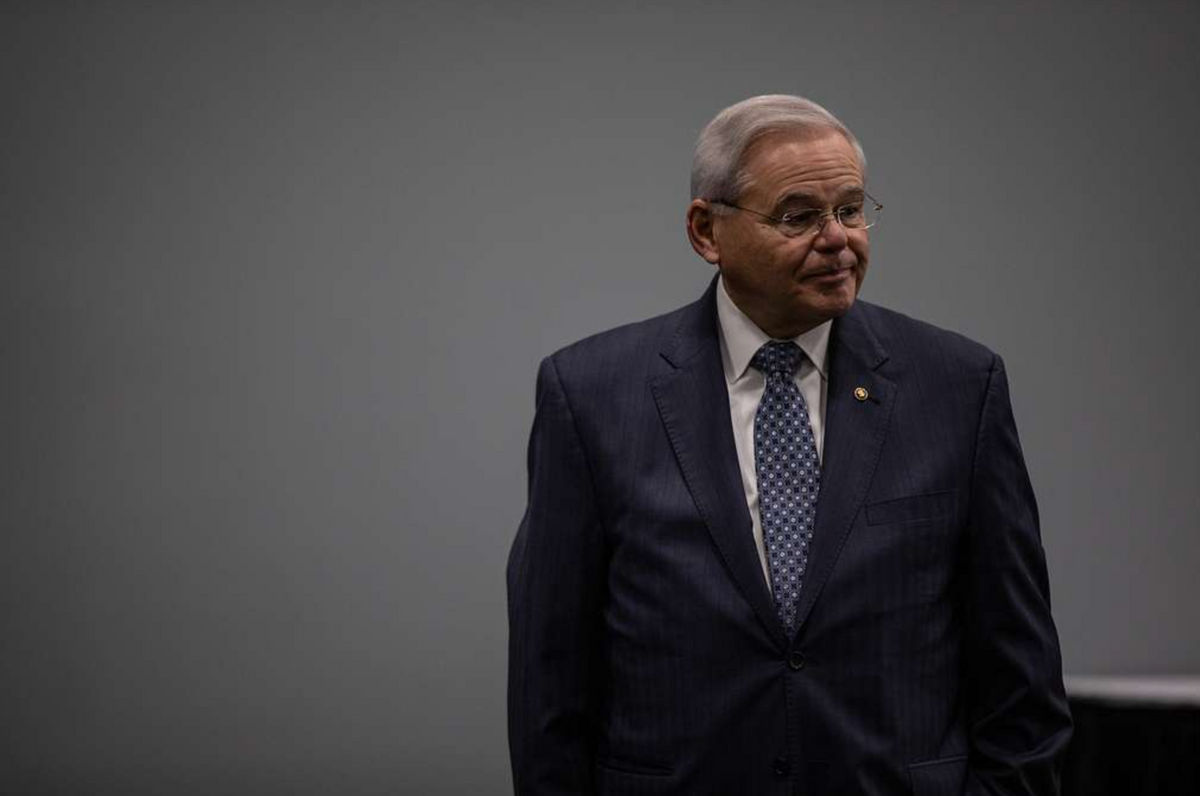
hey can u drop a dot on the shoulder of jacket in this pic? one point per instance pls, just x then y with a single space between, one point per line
908 337
621 347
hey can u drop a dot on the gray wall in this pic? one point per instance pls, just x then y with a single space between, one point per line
276 283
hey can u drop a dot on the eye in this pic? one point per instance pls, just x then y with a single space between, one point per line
851 213
800 219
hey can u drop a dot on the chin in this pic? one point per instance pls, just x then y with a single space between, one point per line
839 310
840 303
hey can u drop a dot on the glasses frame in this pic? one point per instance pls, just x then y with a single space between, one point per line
834 213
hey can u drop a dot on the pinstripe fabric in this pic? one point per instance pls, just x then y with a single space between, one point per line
646 656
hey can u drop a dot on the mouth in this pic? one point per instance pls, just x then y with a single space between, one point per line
831 274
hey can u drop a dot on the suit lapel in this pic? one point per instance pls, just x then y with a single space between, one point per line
854 434
693 403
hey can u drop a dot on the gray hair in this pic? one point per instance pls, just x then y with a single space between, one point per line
717 172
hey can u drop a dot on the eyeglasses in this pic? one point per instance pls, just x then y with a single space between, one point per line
855 215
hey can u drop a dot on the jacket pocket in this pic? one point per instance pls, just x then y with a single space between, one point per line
912 508
643 769
945 777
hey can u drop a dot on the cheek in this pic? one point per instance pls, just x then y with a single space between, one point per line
794 260
862 250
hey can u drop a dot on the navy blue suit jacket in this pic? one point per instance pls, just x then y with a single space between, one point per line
645 653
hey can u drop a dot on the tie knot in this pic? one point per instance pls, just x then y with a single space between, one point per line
778 357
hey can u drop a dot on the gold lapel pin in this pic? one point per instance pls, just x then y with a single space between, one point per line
861 393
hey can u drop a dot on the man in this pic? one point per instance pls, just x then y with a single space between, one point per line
780 541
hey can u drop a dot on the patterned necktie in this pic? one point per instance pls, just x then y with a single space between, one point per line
789 474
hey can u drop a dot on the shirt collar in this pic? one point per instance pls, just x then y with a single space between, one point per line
741 338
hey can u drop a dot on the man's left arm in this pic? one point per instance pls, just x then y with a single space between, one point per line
1019 721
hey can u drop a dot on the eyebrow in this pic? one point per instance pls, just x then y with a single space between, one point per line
810 198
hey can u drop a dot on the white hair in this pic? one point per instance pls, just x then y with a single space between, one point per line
717 172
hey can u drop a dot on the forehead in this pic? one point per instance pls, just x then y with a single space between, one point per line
784 164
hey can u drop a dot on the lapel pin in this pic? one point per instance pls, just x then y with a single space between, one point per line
861 393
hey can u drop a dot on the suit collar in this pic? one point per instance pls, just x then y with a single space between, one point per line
853 339
696 329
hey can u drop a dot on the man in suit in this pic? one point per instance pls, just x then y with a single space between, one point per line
780 541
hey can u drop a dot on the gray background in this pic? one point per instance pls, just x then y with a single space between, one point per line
276 282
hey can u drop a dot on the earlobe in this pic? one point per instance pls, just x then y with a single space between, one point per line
701 231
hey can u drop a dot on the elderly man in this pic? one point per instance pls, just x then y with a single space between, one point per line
780 541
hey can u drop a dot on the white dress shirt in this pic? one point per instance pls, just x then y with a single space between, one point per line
740 339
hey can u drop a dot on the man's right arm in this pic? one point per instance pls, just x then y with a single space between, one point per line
556 576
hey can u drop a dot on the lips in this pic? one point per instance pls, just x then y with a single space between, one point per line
830 273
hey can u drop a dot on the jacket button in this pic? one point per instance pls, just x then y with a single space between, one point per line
781 766
796 659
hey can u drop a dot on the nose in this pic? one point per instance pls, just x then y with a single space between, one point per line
831 235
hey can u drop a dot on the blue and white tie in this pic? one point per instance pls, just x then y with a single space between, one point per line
789 474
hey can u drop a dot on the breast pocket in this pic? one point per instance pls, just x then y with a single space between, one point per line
914 508
945 777
619 778
913 541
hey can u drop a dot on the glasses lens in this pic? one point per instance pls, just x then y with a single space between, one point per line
870 212
800 222
858 216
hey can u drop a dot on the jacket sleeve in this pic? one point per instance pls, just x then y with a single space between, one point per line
1019 721
556 575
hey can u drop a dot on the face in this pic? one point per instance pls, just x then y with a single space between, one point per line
789 285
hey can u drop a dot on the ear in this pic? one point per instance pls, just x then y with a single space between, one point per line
701 222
